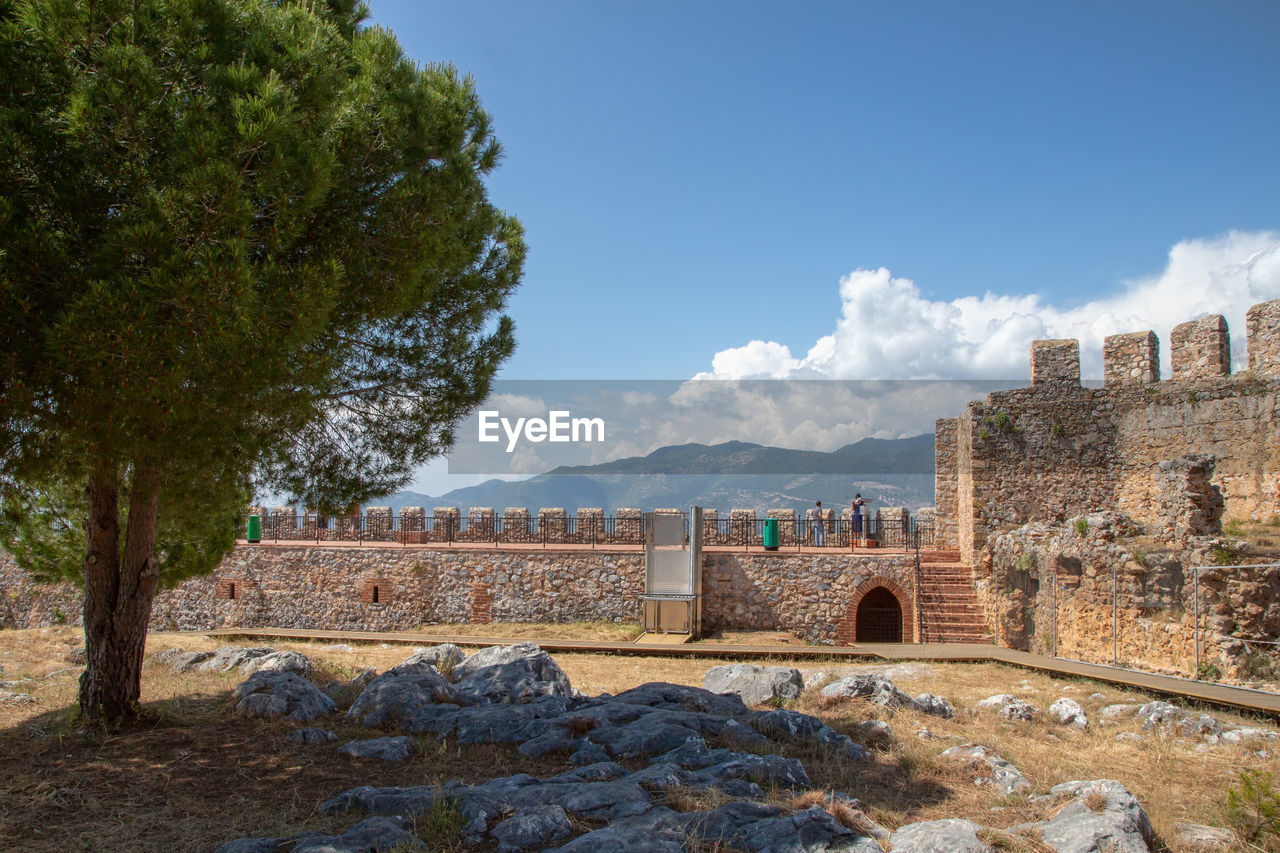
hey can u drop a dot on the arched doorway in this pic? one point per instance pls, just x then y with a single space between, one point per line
879 617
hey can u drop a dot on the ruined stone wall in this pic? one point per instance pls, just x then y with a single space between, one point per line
26 604
1104 592
1056 449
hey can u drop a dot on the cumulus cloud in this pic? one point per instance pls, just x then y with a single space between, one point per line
888 329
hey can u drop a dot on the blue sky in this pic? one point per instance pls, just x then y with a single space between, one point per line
698 176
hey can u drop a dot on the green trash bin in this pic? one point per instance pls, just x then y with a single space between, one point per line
253 530
771 534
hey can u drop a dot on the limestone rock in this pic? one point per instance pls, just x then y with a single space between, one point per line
372 834
1069 713
1198 838
279 662
281 694
1178 720
382 748
885 693
1246 734
876 732
1002 774
311 734
1102 818
659 694
515 682
1009 707
493 655
225 658
532 828
810 830
935 706
940 836
754 684
443 657
402 693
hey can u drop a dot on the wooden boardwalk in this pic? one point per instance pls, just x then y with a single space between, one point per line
1241 698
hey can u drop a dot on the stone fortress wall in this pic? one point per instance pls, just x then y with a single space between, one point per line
1057 449
814 595
1092 517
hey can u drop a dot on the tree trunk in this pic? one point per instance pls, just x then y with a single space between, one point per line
118 590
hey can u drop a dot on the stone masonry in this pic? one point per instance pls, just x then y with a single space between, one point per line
1056 449
388 589
1132 359
1200 349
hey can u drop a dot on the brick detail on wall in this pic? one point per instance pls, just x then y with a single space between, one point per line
847 628
481 603
376 591
230 588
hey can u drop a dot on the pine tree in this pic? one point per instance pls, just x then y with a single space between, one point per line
245 245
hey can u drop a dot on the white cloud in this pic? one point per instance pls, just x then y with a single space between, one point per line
888 329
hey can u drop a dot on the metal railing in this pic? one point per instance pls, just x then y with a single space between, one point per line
797 533
839 533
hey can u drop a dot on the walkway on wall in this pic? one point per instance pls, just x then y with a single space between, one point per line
1213 694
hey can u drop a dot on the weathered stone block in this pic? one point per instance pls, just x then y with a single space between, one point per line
1262 325
1055 362
1132 359
1201 349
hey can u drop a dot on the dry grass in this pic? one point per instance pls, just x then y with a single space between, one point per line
193 775
604 632
1263 537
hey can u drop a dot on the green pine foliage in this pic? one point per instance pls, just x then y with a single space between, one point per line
1253 808
245 246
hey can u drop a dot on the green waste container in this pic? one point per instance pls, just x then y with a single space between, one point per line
253 530
771 534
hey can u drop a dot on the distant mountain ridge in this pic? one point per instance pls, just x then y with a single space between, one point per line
869 456
724 476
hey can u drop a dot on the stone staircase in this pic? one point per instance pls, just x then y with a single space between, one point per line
950 610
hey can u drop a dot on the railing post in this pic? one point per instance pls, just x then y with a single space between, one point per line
1195 633
1115 622
1053 578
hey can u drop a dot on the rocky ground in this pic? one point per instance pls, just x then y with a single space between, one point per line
668 767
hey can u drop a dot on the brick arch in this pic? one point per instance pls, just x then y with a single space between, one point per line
847 628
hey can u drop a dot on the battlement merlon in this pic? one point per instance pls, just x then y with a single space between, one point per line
1131 359
1262 325
1200 349
1055 362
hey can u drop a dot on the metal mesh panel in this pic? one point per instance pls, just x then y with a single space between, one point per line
668 572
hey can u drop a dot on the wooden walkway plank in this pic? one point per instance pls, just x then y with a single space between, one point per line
1242 698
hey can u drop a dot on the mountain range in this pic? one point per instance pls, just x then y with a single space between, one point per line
889 472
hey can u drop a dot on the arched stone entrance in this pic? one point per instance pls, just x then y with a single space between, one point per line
880 611
879 618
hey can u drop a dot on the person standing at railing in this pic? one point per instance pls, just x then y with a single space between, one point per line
856 514
819 529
